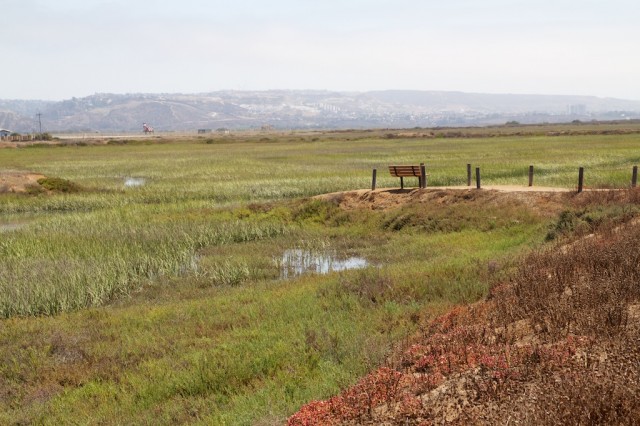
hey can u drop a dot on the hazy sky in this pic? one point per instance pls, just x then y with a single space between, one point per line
57 49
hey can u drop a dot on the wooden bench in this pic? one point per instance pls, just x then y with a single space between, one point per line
407 171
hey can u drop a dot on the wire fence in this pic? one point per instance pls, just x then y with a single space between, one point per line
561 176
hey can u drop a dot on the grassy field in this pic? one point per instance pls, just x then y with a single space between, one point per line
162 302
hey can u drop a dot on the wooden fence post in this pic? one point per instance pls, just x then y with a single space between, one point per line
530 175
468 174
373 179
423 172
634 177
580 179
477 177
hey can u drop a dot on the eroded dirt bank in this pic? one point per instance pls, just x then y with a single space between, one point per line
544 200
17 181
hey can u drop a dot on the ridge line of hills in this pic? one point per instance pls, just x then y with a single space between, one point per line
304 109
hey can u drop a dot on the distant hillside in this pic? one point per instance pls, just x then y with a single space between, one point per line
303 109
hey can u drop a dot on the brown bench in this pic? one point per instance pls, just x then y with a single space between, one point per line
407 171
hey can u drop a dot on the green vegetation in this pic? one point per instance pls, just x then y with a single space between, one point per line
561 331
43 136
58 185
161 301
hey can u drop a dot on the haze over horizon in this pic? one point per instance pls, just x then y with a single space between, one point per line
74 48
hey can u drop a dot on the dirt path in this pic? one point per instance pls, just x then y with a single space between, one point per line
500 188
541 198
510 188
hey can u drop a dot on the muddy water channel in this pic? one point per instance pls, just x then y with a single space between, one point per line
296 262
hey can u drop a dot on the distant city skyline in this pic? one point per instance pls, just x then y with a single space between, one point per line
54 50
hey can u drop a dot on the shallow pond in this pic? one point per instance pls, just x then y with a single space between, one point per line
8 227
296 262
133 182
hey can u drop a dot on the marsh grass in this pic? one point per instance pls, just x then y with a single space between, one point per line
225 342
161 304
46 269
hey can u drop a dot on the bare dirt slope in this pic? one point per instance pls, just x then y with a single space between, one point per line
17 181
544 200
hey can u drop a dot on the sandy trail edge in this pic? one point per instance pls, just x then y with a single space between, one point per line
543 199
500 188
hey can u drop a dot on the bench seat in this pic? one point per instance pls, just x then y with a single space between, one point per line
403 171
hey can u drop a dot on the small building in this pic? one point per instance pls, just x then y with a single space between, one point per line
578 109
223 130
203 131
5 133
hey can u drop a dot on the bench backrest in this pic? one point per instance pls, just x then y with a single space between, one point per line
401 171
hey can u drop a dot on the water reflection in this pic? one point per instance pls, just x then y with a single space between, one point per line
296 262
7 227
133 182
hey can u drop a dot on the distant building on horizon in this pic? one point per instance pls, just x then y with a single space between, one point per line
577 109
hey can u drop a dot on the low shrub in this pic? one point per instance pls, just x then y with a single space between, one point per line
55 184
369 285
32 189
43 136
561 332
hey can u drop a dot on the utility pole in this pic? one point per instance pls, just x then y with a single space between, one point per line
40 122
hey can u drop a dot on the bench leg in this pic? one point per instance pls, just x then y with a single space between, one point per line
401 182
